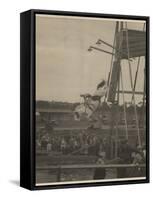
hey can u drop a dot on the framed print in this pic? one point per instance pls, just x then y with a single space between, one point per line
84 99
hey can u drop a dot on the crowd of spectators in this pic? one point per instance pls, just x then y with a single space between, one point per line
84 143
87 144
78 143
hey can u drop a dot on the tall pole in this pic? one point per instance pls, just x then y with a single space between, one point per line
114 102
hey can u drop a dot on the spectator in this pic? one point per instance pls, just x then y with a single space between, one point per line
100 173
138 159
49 147
44 142
125 151
63 146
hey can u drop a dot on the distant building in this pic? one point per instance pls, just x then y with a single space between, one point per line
55 114
63 113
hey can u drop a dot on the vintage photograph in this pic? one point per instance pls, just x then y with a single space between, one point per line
90 119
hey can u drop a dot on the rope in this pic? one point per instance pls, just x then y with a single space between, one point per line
133 92
144 91
136 75
126 127
144 88
116 141
138 65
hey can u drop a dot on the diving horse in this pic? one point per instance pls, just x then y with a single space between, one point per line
91 102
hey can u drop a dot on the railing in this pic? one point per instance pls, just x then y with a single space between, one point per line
59 168
84 166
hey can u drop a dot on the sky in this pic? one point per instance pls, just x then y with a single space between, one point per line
64 66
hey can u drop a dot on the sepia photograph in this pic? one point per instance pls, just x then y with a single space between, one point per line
90 99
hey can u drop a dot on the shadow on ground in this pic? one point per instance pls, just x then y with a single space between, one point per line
15 182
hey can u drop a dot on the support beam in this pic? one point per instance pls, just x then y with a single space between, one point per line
130 92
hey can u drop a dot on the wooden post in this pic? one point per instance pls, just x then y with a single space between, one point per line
112 98
59 174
